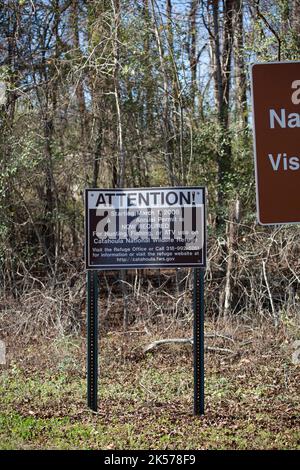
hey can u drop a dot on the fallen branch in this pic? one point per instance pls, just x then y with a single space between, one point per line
218 335
159 342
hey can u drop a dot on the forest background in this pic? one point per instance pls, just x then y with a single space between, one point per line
141 93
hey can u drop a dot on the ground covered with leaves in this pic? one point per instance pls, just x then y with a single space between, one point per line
146 399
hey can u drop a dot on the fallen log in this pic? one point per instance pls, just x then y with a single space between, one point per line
160 342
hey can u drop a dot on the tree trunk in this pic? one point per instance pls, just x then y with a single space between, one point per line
241 79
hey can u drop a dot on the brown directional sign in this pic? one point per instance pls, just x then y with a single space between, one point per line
145 227
276 114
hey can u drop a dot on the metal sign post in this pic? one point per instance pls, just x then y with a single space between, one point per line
92 339
198 341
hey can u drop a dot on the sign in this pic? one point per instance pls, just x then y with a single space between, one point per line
276 113
145 228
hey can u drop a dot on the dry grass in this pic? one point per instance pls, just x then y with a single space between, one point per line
252 395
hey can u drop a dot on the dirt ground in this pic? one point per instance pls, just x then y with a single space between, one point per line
146 399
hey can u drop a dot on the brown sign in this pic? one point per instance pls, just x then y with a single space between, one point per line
276 113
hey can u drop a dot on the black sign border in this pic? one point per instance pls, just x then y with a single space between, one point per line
143 266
